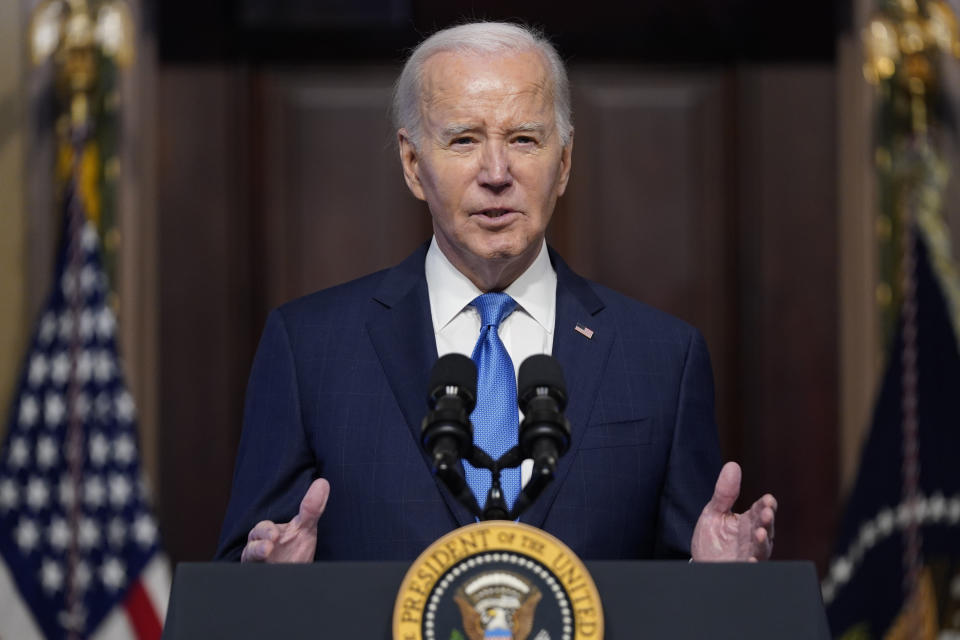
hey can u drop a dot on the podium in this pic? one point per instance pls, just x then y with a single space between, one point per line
641 599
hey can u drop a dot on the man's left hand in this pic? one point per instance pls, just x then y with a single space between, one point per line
722 535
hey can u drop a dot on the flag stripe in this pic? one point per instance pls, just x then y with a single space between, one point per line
156 580
116 626
142 615
16 621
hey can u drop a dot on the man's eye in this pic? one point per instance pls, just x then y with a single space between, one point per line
525 140
462 140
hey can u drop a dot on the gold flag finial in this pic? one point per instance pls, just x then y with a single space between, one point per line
88 42
902 38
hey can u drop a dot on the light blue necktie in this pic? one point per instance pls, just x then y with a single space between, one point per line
495 419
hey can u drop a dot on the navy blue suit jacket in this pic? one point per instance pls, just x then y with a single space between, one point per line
338 390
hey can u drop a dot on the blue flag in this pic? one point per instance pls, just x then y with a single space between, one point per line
886 537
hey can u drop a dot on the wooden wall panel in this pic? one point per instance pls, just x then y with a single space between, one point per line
789 316
648 211
336 206
206 286
860 354
15 320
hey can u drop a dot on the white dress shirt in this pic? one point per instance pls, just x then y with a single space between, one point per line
525 332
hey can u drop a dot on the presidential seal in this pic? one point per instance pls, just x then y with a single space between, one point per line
497 580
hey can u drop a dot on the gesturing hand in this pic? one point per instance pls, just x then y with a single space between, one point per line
294 541
723 535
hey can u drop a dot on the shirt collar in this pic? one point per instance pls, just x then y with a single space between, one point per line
450 291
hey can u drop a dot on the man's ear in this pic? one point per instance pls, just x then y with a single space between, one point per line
566 160
410 160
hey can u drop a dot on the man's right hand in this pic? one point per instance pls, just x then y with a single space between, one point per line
294 541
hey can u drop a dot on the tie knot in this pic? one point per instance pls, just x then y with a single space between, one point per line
494 307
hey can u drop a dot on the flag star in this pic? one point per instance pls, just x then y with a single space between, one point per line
60 371
47 452
953 511
9 495
94 492
51 575
885 521
27 535
86 324
66 491
144 530
103 367
99 449
88 279
113 574
38 493
84 366
68 283
53 409
920 510
106 323
19 452
75 619
58 535
120 490
89 239
827 591
48 328
88 534
102 406
29 411
938 506
66 326
81 406
840 570
38 370
125 407
904 514
124 449
81 576
117 531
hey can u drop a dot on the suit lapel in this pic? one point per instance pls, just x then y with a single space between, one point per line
583 360
401 330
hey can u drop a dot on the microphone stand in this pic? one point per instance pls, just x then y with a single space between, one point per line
495 507
447 434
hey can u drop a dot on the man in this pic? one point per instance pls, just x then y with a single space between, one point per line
337 389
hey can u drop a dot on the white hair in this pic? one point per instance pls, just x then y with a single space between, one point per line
479 38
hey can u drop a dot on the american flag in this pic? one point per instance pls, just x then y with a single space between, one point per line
79 546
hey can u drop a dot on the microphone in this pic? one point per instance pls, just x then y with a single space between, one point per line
542 396
446 432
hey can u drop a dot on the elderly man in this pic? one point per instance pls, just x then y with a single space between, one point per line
330 465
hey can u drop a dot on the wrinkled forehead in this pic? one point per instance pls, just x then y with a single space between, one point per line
462 76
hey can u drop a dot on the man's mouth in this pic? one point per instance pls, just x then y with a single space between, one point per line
494 213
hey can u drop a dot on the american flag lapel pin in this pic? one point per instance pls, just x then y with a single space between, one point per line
587 332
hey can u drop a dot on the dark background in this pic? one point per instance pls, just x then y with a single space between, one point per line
665 31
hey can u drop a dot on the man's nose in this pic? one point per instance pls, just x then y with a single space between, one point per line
495 168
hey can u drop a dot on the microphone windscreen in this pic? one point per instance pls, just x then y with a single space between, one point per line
541 371
457 370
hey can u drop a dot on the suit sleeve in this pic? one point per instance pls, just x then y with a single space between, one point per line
695 460
275 464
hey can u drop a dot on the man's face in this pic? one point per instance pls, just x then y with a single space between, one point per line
490 163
